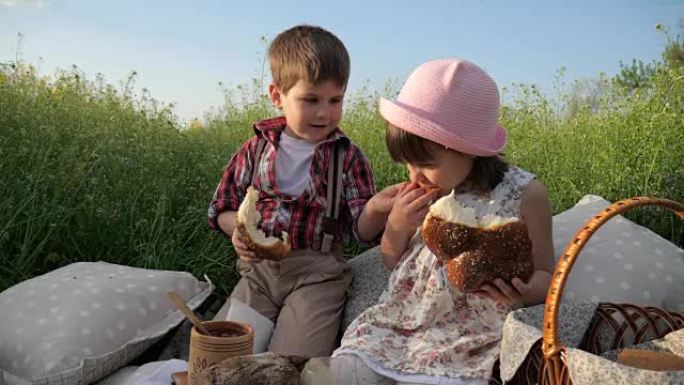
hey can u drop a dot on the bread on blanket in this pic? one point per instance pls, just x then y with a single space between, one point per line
248 217
477 250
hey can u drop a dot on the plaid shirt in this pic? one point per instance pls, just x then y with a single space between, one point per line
302 217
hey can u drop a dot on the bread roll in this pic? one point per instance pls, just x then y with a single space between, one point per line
477 250
248 217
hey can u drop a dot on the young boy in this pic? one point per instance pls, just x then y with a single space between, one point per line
303 294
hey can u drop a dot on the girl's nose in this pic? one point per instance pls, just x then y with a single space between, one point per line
416 175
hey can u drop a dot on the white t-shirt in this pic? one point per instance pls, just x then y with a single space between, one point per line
293 162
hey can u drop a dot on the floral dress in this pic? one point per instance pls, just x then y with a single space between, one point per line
423 329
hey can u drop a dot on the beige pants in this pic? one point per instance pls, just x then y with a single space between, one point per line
303 295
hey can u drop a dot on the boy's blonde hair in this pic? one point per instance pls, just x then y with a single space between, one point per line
307 53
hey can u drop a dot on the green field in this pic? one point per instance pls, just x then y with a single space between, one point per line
93 172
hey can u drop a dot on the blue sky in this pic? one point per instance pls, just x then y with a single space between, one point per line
181 50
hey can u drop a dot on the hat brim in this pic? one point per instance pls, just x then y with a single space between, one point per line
403 117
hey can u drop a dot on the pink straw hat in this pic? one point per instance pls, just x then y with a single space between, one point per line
451 102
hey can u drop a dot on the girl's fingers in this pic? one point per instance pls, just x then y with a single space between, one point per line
425 200
521 286
412 196
408 187
494 293
401 186
420 198
489 291
507 290
393 190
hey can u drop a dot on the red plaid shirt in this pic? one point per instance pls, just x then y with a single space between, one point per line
302 217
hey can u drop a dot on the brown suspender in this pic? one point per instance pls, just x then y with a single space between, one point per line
332 209
334 190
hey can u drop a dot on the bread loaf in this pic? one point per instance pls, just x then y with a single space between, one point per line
248 217
475 250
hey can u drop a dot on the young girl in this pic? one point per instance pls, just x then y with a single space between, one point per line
444 126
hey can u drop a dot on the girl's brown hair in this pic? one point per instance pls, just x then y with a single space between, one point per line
405 147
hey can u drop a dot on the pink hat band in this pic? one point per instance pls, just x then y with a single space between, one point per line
451 102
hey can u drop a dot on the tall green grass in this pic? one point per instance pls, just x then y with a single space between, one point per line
93 172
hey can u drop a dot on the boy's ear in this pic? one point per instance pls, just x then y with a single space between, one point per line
276 95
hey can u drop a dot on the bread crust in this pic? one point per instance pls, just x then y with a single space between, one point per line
274 252
474 256
447 239
247 215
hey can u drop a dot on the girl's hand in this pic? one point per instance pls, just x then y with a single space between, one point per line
244 252
518 293
410 207
383 201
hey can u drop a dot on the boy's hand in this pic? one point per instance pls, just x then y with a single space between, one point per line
518 293
410 207
245 253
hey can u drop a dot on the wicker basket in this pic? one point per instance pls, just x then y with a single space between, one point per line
545 363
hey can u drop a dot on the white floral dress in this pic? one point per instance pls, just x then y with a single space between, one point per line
424 330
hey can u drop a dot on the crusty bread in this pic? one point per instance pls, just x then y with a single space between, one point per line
477 250
651 360
247 219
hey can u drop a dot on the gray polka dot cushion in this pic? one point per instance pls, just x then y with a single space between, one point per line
79 323
622 262
370 280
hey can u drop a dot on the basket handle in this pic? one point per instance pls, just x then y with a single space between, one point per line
551 345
